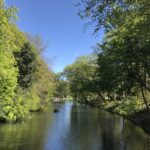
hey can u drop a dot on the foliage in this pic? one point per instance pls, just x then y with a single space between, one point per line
26 82
42 89
45 83
8 69
26 62
129 106
80 77
13 110
124 56
61 87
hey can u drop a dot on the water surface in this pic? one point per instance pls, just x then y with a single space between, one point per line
74 127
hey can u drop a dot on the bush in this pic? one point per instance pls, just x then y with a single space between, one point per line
129 106
13 110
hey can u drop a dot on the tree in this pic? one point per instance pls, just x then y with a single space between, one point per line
27 64
62 86
80 77
11 108
26 83
124 55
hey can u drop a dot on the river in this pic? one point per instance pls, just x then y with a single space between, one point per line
74 127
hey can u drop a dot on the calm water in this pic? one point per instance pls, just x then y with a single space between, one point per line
75 127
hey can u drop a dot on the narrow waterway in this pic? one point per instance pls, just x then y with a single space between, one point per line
74 127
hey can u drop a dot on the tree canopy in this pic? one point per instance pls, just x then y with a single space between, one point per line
26 82
123 62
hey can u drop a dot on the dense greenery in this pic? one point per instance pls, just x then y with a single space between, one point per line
26 82
26 62
121 78
61 87
116 76
80 77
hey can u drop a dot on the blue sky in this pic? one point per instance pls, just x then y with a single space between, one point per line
59 25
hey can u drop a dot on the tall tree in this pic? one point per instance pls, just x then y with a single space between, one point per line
125 50
80 77
27 63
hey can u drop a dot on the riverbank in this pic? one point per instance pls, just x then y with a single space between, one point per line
140 118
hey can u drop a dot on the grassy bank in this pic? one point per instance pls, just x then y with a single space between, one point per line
131 109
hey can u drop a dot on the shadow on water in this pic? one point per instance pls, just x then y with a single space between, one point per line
74 127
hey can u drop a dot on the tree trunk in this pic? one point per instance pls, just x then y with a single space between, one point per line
100 97
143 95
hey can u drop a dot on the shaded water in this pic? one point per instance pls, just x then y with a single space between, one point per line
75 127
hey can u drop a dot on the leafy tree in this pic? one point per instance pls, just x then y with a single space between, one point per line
26 62
124 55
26 83
45 83
62 86
80 77
8 71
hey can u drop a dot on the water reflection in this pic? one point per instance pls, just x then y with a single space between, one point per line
75 127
